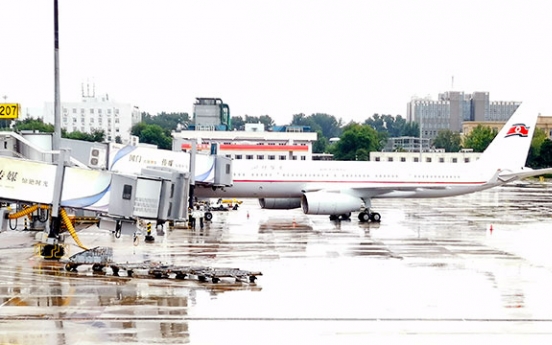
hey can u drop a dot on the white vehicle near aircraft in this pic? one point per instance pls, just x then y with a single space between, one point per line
337 188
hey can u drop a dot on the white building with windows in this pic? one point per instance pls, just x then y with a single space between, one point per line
96 113
252 144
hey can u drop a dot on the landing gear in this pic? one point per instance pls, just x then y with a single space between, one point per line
365 216
375 217
345 216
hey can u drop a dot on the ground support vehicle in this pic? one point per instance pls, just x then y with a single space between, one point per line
101 257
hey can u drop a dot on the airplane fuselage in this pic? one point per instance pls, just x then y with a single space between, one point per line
290 179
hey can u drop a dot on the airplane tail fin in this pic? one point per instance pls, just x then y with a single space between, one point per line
510 147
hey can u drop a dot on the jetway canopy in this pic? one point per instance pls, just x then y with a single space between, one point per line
213 170
157 195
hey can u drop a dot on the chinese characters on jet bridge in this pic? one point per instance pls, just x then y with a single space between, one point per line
131 160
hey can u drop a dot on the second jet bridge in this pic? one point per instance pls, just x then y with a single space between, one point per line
156 194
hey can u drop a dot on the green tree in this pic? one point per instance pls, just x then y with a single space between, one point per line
39 125
33 124
95 136
321 143
479 138
534 159
266 120
168 121
376 122
411 129
238 123
448 140
153 134
328 125
362 155
356 136
546 154
394 126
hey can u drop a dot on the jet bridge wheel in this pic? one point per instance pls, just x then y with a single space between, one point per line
208 216
70 267
115 270
97 268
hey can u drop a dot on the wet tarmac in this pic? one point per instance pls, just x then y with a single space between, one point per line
431 272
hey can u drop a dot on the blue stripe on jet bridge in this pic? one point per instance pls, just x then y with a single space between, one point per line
87 200
203 176
121 153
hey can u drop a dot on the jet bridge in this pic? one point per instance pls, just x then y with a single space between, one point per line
157 182
159 194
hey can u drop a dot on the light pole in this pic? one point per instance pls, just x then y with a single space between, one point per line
57 116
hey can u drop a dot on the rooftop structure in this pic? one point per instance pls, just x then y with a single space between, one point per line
211 114
406 144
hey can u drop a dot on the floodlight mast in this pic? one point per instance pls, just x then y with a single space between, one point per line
57 107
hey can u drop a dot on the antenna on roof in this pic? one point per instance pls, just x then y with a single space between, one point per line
452 84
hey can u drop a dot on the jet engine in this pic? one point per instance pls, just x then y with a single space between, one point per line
329 203
280 203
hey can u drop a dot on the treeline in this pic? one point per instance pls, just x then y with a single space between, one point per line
39 125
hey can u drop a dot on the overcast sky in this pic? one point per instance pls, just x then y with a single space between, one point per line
347 58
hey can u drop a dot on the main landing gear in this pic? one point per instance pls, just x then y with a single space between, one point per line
365 216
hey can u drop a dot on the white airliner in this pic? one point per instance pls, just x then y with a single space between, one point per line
337 188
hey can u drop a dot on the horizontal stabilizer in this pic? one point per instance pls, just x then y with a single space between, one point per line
508 176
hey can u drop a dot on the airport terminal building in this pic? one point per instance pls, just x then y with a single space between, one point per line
252 144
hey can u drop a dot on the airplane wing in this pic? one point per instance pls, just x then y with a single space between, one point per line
374 189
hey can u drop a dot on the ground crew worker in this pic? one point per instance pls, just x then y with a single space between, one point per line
191 212
201 215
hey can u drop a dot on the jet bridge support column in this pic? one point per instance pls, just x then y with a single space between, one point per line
192 181
53 249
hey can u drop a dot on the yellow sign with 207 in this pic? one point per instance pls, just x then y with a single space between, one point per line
9 111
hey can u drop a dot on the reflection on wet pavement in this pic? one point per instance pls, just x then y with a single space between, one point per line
432 268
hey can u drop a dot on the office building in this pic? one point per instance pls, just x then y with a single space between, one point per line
452 108
96 113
